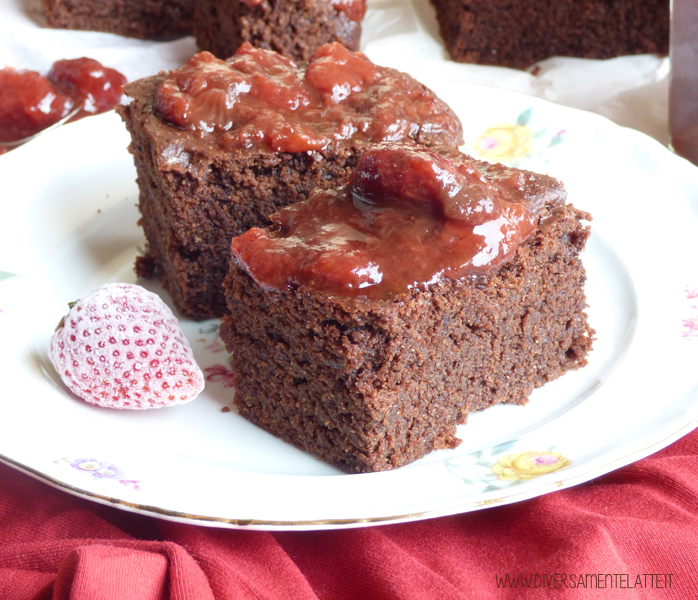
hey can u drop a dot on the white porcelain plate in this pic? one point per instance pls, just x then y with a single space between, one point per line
69 225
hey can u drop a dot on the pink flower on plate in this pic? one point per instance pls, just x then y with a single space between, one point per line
691 325
215 346
691 322
220 373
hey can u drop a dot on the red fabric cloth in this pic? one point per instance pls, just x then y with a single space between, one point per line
637 524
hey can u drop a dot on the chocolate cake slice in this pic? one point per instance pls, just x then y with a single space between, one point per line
295 29
518 34
131 18
220 145
368 321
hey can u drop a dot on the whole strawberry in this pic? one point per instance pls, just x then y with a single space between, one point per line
121 347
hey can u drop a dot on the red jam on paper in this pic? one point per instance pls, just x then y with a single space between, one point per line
29 102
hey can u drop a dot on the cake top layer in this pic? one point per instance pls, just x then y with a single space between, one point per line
260 99
408 217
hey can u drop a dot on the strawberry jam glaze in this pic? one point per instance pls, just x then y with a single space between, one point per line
259 99
96 87
407 217
354 9
30 102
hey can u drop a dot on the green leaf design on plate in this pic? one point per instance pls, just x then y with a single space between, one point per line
558 138
525 117
209 327
502 448
5 275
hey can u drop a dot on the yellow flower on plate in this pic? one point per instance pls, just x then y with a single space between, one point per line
527 465
504 142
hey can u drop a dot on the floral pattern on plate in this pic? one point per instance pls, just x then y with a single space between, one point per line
210 341
492 469
210 335
690 323
512 142
220 374
527 465
99 469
